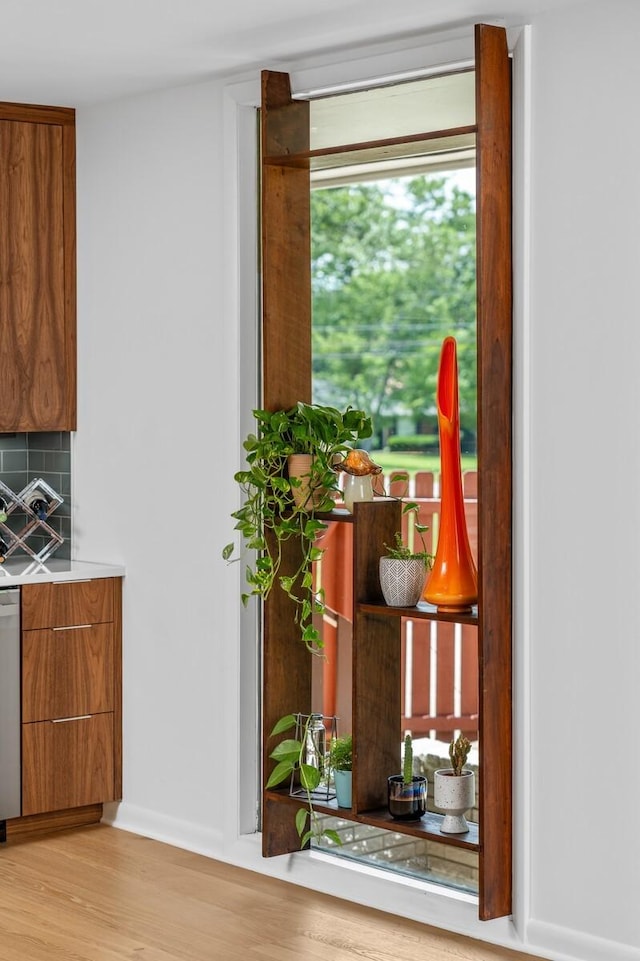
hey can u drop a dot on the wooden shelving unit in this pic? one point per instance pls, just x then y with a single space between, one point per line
428 828
376 685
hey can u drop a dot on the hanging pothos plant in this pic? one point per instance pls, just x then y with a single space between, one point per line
279 506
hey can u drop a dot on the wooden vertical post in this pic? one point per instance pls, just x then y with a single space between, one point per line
494 286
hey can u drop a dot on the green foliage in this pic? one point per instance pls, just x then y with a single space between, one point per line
459 752
407 766
290 757
341 755
428 443
269 516
393 272
399 550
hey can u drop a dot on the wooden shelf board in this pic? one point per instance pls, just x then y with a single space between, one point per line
422 612
428 828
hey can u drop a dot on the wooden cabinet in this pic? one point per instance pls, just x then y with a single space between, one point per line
71 694
37 268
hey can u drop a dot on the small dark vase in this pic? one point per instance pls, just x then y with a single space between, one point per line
407 802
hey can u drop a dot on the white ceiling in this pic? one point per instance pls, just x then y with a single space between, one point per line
78 52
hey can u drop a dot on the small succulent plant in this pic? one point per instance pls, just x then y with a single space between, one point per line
459 752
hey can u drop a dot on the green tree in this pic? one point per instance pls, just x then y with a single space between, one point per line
393 272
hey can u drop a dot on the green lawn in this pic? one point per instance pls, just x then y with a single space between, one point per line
391 461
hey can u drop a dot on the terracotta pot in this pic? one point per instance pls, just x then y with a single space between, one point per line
402 581
304 494
454 794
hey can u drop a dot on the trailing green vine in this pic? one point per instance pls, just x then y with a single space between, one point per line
269 515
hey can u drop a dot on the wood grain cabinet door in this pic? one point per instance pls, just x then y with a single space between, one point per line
67 672
68 603
37 269
67 763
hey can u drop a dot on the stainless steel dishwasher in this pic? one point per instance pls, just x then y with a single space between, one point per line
9 704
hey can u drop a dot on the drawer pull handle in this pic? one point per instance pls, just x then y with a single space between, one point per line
62 720
72 627
79 580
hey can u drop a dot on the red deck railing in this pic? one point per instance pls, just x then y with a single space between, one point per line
439 660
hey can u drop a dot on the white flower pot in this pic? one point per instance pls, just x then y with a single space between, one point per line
455 795
402 581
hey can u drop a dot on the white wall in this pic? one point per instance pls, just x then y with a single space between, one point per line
157 429
159 400
585 422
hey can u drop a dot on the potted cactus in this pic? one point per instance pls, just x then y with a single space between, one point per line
407 792
454 788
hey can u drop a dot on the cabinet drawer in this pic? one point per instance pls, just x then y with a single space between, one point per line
65 603
68 763
67 671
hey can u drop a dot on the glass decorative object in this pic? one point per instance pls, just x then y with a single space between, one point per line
316 731
453 583
359 471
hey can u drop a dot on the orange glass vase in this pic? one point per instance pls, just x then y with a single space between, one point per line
453 582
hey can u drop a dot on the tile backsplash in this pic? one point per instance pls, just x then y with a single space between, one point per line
45 455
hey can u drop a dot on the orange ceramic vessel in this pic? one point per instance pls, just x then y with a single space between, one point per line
453 582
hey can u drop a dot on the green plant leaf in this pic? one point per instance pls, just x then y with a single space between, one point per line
287 750
309 777
306 837
284 724
227 551
332 835
280 773
301 820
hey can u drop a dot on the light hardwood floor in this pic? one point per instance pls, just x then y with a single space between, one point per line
100 894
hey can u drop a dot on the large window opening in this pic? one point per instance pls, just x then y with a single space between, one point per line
392 273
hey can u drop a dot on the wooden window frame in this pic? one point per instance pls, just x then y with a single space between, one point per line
286 359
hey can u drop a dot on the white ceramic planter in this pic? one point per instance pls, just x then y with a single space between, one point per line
402 581
454 795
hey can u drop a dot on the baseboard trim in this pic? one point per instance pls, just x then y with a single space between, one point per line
160 827
567 944
36 824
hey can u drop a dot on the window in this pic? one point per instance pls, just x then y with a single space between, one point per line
287 158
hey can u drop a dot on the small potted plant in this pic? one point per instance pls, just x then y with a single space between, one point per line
403 570
293 762
341 761
407 792
454 788
283 499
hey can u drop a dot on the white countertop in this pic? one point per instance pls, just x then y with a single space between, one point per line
24 570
